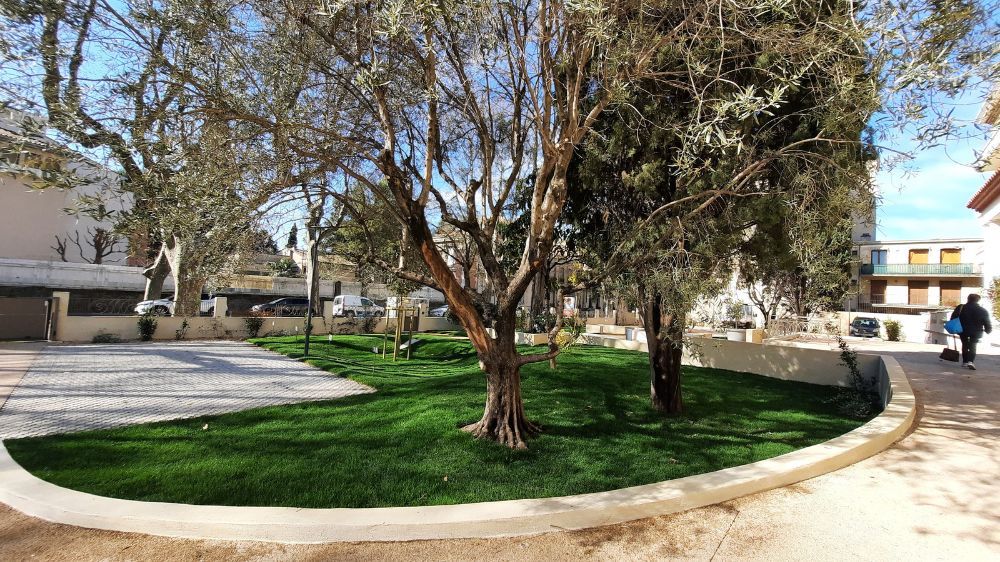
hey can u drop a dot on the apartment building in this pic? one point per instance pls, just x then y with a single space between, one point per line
911 276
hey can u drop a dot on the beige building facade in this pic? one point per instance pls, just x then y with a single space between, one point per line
918 275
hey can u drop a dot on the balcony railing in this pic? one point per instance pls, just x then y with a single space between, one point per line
921 269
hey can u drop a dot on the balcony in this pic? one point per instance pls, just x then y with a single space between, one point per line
926 269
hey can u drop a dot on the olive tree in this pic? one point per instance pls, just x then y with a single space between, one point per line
446 107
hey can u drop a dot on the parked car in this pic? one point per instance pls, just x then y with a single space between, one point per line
285 306
165 307
865 327
439 312
354 305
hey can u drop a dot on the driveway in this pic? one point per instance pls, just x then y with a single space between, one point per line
79 387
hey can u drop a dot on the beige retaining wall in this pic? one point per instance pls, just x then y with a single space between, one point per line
84 328
816 366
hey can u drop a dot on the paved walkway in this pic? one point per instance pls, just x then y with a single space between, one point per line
78 387
933 496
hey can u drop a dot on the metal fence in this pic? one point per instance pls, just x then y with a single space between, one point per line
102 306
921 269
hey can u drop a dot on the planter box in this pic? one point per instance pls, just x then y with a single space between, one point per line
522 338
736 335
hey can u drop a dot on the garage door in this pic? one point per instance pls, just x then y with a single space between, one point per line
951 293
24 318
918 292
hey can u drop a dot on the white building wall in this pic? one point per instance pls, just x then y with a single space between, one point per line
990 222
30 219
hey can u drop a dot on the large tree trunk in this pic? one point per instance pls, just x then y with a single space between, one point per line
664 338
503 418
312 281
155 275
312 271
539 293
188 282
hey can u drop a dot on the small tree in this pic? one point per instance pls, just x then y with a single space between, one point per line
293 237
993 292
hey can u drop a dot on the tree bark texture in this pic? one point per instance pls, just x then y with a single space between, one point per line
504 420
187 284
155 275
539 293
664 338
312 282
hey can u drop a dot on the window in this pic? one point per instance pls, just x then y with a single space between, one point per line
880 257
951 255
919 256
876 292
366 302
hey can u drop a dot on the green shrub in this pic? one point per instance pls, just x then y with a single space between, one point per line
104 337
893 330
253 323
994 294
147 326
180 333
284 267
865 402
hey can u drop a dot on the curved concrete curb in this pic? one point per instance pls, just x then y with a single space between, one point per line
26 493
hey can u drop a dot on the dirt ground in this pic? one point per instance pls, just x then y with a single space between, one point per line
685 535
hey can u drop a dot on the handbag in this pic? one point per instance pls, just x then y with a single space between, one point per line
949 354
954 326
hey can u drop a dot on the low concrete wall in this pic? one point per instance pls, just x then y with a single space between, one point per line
65 275
610 329
524 338
68 275
816 366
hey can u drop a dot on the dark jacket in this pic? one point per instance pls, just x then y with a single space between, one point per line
975 319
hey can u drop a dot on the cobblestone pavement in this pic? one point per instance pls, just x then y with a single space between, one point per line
78 387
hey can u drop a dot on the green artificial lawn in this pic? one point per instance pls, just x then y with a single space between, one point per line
402 446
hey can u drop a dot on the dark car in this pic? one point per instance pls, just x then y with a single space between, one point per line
286 306
865 327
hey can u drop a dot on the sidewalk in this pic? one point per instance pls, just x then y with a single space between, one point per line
934 495
15 358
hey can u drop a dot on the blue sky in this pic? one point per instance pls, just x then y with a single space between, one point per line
927 200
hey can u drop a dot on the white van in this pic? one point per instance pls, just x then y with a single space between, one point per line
353 305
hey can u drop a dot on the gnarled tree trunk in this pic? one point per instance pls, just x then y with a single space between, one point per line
664 337
539 293
155 275
187 282
503 420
